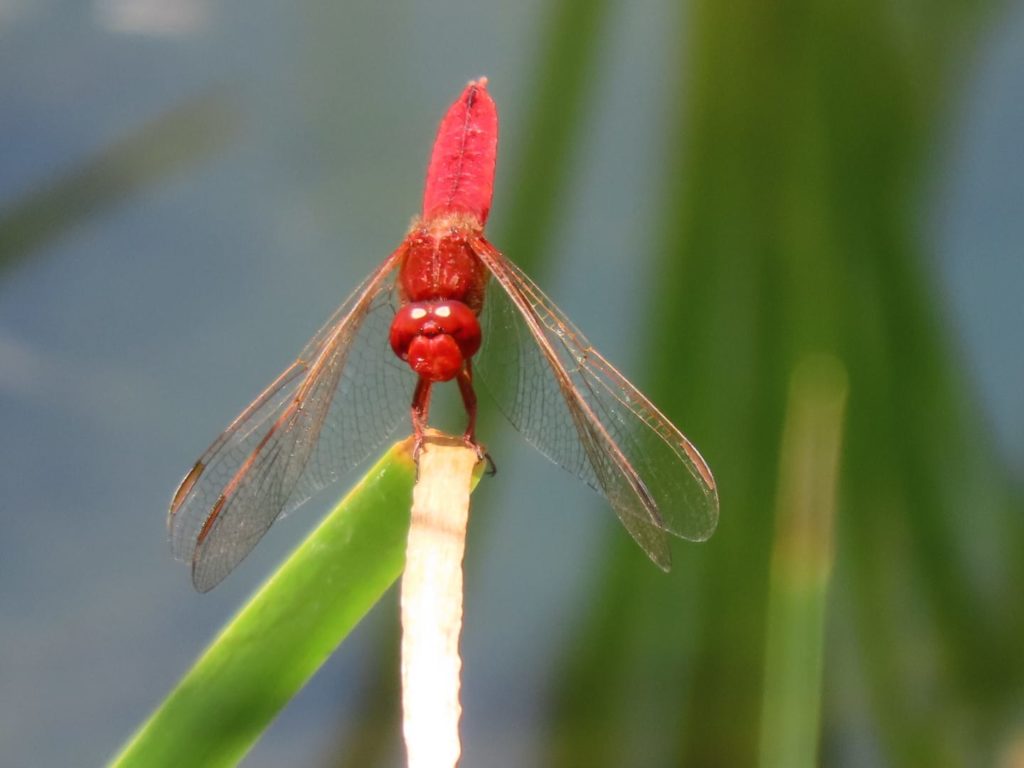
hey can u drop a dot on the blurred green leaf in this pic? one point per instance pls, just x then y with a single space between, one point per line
564 83
791 204
802 557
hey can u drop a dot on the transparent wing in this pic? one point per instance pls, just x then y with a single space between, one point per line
572 405
340 400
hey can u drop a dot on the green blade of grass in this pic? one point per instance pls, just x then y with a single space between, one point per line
801 564
287 629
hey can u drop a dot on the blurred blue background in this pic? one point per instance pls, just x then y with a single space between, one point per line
188 188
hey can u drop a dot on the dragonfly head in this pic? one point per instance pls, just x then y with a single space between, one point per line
435 337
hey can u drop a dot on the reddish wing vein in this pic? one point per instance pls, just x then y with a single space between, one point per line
326 412
567 400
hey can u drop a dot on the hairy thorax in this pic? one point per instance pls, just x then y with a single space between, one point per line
440 263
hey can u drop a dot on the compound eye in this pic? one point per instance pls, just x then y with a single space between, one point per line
406 326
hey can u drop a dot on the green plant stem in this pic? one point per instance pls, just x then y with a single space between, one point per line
801 564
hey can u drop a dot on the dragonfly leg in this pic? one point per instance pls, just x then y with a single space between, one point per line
465 379
420 410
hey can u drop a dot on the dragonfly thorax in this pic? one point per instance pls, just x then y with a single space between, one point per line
440 263
435 337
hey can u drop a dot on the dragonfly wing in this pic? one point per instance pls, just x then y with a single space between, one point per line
328 411
571 404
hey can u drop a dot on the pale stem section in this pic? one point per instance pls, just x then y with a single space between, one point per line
432 602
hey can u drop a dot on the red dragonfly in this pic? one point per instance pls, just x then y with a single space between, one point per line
442 292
